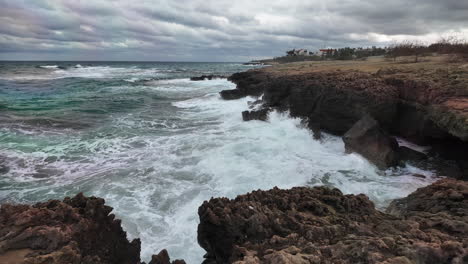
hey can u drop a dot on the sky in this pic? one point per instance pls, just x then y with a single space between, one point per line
215 30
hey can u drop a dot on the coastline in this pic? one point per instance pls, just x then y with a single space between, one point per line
333 99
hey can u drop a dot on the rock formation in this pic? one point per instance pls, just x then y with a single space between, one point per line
368 139
75 230
261 114
426 107
321 225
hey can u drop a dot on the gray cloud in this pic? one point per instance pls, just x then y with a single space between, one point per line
207 30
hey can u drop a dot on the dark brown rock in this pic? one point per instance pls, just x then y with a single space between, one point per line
231 94
75 230
447 197
321 225
261 114
368 139
163 258
422 105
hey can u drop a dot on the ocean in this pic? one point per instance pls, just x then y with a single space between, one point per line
155 145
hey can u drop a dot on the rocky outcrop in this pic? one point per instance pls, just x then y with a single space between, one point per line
321 225
261 114
425 106
368 139
447 198
247 84
163 258
75 230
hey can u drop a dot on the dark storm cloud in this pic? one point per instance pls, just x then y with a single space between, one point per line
215 30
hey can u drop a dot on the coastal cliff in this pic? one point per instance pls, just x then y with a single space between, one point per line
424 103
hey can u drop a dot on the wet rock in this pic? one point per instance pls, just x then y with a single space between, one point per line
368 139
231 94
336 100
315 127
246 84
207 77
261 114
321 225
75 230
420 105
163 258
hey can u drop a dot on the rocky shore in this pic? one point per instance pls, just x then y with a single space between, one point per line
321 225
424 103
75 230
427 104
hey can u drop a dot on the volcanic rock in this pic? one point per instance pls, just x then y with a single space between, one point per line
321 225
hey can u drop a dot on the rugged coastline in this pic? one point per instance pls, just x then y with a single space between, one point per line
301 225
426 103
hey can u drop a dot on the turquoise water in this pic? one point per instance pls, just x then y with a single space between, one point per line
155 145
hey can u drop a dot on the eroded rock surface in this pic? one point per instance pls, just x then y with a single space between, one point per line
321 225
426 107
75 230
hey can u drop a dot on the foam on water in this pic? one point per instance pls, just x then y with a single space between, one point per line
49 66
229 157
155 168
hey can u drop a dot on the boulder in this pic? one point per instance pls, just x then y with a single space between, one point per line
321 225
367 138
261 114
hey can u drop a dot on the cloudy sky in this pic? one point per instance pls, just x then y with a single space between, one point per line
215 30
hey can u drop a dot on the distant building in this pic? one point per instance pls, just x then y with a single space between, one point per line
298 52
327 52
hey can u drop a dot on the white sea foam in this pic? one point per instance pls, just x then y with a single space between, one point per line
49 66
155 182
231 157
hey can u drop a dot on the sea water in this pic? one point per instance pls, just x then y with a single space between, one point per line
155 145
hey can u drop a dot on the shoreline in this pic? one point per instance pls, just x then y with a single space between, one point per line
250 233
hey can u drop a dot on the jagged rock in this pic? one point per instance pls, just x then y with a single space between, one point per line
368 139
261 114
447 198
75 230
246 85
321 225
207 77
163 258
421 105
